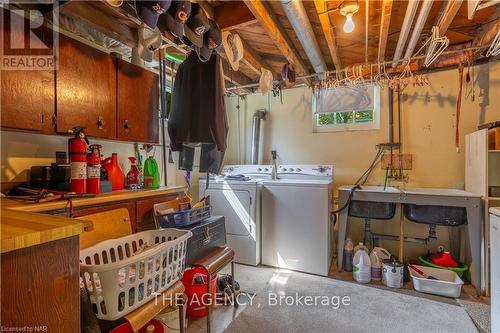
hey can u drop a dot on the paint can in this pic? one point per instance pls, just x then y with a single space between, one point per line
392 273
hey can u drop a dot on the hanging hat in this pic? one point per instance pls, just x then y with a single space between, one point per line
149 41
288 75
196 26
115 3
233 47
266 80
177 16
212 39
148 11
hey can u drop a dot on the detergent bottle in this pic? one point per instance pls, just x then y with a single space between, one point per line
151 173
377 255
361 265
115 173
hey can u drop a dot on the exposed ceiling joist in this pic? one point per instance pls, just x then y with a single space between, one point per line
411 10
448 15
324 19
274 31
233 15
425 9
474 5
488 31
385 21
252 59
101 22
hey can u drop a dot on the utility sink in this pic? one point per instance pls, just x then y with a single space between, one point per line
440 215
372 210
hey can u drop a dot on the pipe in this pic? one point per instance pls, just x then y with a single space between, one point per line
405 30
391 116
296 13
419 25
257 117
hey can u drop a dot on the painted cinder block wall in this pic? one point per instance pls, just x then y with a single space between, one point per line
428 132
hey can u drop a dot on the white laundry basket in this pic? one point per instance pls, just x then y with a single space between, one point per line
124 273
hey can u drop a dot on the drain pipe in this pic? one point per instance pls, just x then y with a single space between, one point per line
258 116
419 25
296 13
405 29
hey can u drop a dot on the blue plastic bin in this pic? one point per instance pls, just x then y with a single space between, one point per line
184 218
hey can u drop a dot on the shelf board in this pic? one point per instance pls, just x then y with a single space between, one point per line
494 198
494 151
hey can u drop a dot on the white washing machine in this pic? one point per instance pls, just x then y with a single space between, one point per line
296 227
239 202
495 268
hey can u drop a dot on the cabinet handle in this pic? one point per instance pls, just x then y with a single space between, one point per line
126 125
100 122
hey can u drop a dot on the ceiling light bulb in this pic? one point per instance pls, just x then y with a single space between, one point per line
349 24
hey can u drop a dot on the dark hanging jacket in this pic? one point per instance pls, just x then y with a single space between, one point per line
198 110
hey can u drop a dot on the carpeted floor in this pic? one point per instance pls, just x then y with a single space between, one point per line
368 310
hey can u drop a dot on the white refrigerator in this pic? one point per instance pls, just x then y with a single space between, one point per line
495 268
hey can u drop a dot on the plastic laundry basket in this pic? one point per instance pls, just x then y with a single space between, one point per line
122 274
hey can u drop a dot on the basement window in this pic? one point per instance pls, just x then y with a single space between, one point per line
346 109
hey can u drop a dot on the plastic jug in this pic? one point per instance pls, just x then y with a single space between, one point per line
377 255
348 255
115 173
361 265
151 173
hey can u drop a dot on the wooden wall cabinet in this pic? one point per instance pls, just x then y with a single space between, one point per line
27 96
40 287
86 89
137 103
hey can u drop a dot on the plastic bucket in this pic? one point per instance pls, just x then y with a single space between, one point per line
460 270
197 296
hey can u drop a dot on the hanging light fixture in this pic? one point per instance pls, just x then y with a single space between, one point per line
348 9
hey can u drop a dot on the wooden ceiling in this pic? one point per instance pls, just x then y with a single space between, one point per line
349 47
270 40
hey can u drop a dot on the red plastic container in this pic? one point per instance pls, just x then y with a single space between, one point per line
197 296
115 173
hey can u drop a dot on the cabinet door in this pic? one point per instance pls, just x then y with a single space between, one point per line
86 89
138 103
27 96
40 287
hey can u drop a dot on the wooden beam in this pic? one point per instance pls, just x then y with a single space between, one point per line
275 32
385 21
488 31
232 15
448 15
253 60
324 19
109 26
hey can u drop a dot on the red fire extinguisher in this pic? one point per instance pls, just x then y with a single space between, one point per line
94 169
77 147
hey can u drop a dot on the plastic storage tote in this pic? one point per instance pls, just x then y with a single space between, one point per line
122 274
448 283
184 218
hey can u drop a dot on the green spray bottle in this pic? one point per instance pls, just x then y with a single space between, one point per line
151 173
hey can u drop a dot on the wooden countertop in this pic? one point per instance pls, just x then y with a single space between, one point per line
23 229
21 224
121 195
